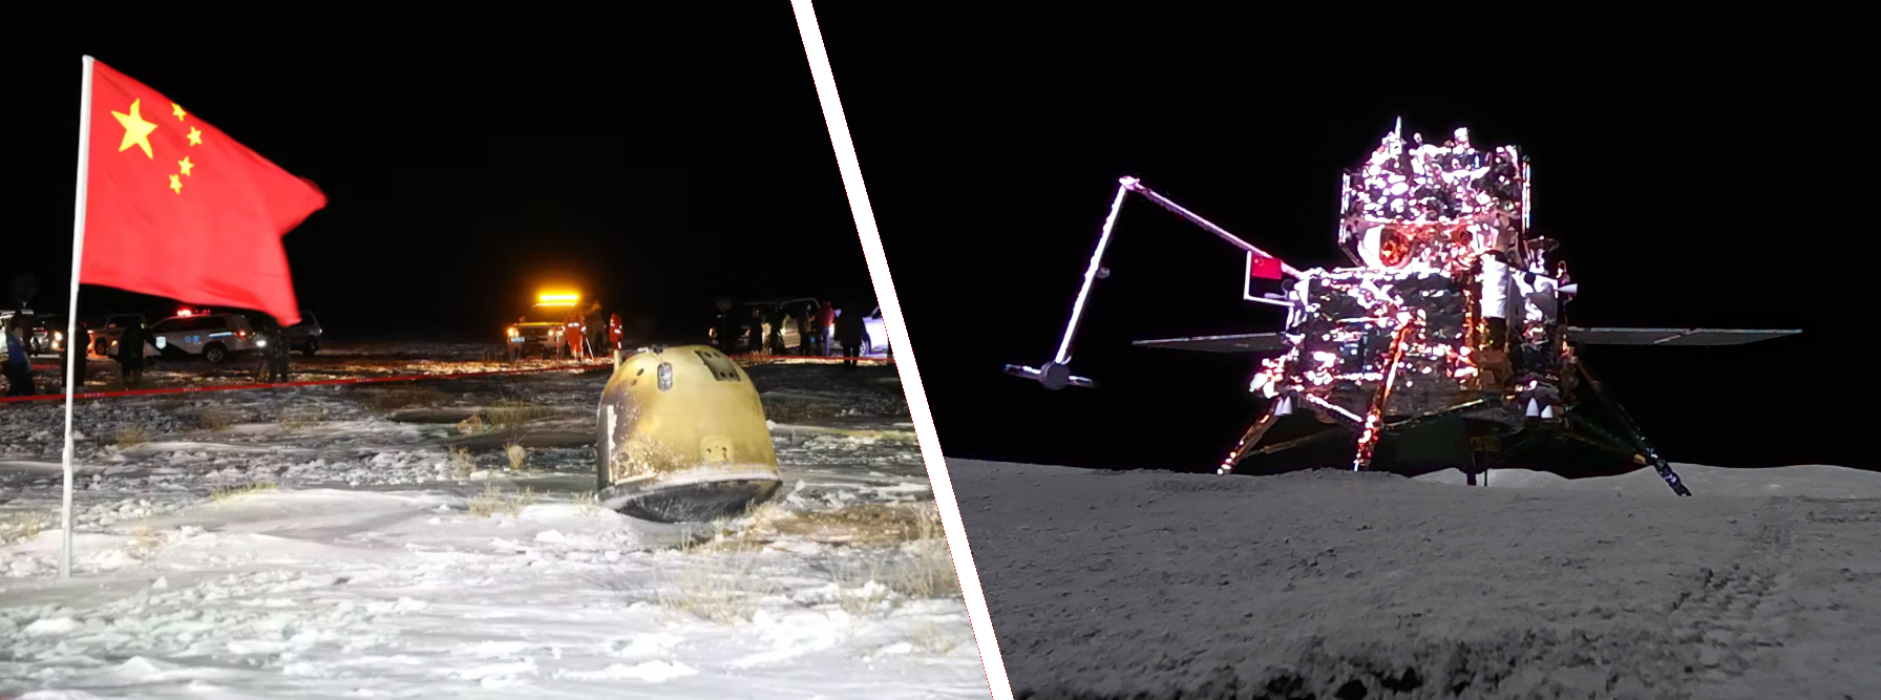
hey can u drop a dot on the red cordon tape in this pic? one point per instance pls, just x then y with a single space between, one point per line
823 359
322 382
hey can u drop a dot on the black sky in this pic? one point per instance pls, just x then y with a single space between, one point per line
1696 178
656 159
1693 177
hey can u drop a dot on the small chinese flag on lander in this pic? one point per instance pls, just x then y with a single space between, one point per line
1263 267
175 208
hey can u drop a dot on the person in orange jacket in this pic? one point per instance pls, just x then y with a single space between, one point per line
572 334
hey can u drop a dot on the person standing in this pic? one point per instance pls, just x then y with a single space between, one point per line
281 353
274 352
849 332
825 328
806 320
131 354
780 320
594 330
755 325
78 357
572 333
727 331
16 362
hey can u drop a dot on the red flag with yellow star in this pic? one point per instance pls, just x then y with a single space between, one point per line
176 208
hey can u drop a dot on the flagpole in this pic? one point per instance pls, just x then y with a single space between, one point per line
73 345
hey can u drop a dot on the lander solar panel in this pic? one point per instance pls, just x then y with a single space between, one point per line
1698 337
1688 337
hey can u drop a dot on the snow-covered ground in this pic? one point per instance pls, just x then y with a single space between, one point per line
368 541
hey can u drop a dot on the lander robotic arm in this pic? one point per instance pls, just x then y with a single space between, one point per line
1056 374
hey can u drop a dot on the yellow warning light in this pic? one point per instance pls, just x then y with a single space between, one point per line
559 299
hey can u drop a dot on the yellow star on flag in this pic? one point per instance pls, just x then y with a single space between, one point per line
176 183
177 110
136 130
195 136
185 165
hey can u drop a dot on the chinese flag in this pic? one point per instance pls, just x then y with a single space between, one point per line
1263 267
176 208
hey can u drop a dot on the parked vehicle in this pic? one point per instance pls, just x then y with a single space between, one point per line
106 329
42 334
875 334
304 336
213 337
543 329
777 339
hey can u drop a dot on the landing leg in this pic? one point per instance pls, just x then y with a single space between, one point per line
1251 437
1374 416
1646 455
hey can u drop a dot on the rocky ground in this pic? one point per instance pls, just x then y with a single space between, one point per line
1333 584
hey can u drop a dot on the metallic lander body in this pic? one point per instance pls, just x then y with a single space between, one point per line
1441 348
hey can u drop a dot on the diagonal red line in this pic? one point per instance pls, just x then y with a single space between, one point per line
320 382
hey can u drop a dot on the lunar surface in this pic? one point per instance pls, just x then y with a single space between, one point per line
1338 585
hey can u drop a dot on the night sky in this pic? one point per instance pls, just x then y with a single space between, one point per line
664 159
654 160
1691 185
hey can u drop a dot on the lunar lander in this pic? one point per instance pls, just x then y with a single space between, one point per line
1442 348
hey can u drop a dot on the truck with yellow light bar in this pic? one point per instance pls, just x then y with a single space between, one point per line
542 331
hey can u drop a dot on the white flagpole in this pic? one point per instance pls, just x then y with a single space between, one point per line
73 345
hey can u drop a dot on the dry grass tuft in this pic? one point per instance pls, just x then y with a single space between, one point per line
928 637
145 541
223 493
866 525
753 529
22 526
924 572
715 584
132 435
589 502
930 572
394 398
510 414
494 501
215 417
860 587
462 463
296 417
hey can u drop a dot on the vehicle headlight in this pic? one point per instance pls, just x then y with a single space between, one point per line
512 332
261 343
58 336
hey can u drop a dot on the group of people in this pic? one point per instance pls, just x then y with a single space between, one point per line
274 351
593 338
811 321
18 367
